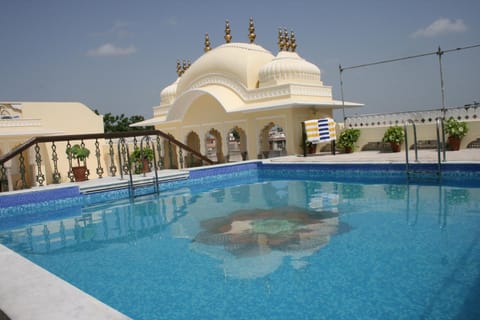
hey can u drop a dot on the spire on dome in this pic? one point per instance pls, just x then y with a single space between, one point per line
286 39
184 66
293 42
179 68
207 43
281 40
228 36
251 31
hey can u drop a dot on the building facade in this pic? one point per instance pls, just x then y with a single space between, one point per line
242 90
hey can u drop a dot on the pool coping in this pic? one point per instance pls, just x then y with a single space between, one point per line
30 292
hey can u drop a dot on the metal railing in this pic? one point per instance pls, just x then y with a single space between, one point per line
169 154
441 147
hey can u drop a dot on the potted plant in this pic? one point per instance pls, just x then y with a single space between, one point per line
141 159
348 138
395 136
455 130
80 153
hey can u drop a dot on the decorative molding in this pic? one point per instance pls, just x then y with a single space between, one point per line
264 93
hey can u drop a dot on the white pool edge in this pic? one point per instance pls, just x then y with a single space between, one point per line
28 291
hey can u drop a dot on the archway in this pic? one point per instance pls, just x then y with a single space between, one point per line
193 141
237 144
213 146
272 141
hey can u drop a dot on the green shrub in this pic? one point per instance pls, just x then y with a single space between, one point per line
455 128
394 134
348 138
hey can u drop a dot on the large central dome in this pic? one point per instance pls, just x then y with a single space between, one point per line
239 61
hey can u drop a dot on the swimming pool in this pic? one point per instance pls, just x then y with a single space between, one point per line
274 243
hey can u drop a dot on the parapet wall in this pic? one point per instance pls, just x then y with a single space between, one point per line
373 126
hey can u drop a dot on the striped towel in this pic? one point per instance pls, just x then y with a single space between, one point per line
320 130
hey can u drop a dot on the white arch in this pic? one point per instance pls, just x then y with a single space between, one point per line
229 101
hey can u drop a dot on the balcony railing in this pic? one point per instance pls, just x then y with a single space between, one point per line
44 160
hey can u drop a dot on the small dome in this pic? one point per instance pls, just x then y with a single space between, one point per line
169 93
289 67
239 61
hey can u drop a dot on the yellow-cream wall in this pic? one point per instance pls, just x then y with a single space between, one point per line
205 113
60 117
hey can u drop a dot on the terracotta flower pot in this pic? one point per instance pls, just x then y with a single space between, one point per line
454 143
395 147
80 173
348 150
145 166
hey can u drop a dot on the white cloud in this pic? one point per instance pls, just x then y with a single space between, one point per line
109 49
441 26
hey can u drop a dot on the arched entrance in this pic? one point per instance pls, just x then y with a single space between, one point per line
272 141
193 141
213 146
237 144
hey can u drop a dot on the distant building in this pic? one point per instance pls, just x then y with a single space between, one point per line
20 121
243 87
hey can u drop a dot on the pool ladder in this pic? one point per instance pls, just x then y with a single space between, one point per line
124 154
440 149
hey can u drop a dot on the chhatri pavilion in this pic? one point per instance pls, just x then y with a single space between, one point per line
239 98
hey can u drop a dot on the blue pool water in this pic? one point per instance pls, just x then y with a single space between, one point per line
271 247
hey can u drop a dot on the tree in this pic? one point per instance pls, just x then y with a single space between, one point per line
115 123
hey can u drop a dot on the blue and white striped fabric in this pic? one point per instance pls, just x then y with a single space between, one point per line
320 130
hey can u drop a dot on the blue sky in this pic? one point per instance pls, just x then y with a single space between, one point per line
116 56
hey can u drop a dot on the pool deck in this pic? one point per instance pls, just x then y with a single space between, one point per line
28 291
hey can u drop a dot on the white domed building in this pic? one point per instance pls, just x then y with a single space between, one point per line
240 99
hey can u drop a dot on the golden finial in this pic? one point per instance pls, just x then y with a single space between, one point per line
207 43
293 42
251 31
179 68
184 66
228 36
286 39
281 42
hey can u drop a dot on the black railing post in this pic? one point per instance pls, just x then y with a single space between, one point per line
3 179
40 177
69 157
56 177
111 152
98 156
23 171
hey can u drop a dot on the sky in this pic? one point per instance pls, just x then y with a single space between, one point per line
117 55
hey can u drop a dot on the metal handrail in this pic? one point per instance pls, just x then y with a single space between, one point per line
414 142
15 151
440 124
122 141
150 144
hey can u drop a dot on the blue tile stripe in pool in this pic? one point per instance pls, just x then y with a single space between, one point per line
460 174
17 203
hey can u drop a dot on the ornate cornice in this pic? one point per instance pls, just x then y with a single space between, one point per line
258 94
